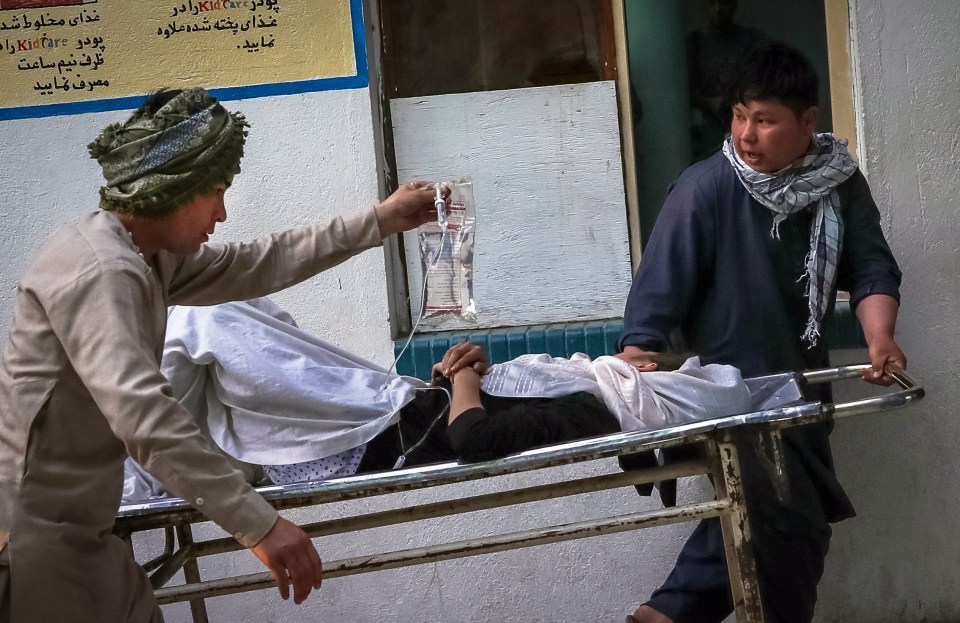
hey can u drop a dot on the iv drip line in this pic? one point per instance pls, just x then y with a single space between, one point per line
440 204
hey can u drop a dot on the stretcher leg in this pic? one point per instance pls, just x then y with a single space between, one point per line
736 533
191 574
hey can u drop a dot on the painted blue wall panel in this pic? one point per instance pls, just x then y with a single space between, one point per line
593 338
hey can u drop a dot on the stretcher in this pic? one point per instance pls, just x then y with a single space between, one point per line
176 517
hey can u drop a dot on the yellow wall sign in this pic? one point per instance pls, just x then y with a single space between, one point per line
72 56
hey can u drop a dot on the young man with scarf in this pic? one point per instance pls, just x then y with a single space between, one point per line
80 382
743 265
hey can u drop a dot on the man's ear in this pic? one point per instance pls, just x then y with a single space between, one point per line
810 118
650 366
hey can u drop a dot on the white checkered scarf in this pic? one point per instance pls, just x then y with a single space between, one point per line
810 181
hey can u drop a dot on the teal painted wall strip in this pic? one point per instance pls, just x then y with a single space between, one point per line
595 338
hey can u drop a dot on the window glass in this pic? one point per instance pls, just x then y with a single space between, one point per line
433 47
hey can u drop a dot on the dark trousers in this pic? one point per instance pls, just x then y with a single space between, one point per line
698 588
790 537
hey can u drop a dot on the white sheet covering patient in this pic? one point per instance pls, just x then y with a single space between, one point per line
268 393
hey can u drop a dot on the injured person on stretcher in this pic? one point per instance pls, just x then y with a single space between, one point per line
288 407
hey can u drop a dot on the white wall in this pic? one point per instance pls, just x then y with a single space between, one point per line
899 560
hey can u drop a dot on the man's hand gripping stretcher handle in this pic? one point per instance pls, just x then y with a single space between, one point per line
878 318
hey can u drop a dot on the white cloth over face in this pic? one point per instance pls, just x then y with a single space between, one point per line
639 400
270 393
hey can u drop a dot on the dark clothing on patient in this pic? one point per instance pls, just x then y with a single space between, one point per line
508 425
503 426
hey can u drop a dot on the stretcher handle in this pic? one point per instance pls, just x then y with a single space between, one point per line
910 391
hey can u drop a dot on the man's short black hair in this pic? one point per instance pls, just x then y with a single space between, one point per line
774 71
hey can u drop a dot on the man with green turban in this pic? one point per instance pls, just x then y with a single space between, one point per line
80 383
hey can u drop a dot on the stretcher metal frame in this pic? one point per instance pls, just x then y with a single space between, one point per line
720 463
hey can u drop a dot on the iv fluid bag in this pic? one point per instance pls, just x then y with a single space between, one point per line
446 258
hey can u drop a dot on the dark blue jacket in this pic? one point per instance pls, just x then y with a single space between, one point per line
712 280
713 271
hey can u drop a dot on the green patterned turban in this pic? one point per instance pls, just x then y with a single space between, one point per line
154 163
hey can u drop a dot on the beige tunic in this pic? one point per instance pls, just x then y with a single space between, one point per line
80 387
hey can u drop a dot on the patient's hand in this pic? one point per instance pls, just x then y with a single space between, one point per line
460 356
292 559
